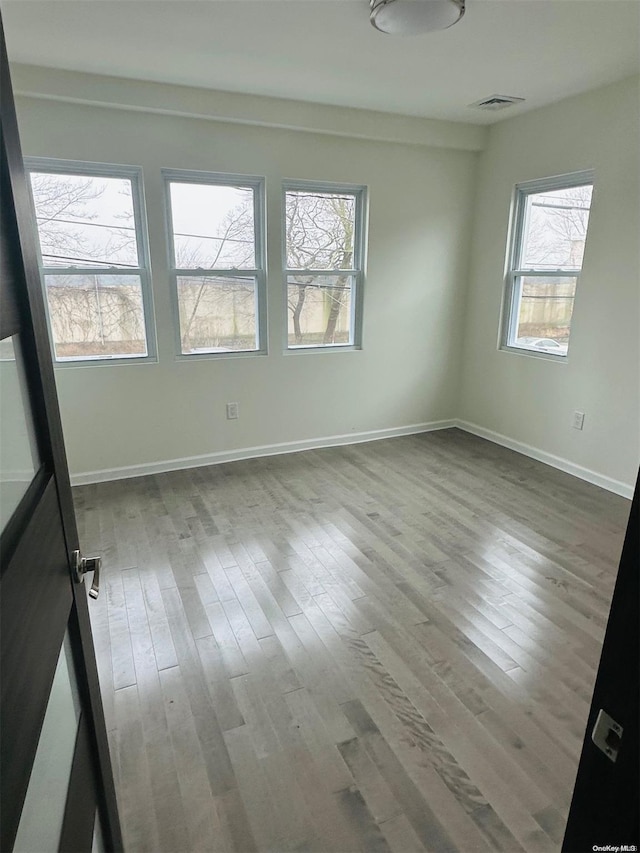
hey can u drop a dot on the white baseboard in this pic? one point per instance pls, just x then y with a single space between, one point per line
106 474
129 471
608 483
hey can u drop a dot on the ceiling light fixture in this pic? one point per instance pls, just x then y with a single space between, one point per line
406 17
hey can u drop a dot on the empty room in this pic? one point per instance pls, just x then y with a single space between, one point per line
320 407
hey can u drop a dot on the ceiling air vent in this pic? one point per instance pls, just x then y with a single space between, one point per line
496 102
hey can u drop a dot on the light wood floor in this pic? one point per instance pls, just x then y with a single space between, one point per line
388 646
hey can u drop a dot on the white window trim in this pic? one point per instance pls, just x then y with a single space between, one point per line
514 270
257 184
357 273
107 170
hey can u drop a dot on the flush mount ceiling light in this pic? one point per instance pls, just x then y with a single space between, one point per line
406 17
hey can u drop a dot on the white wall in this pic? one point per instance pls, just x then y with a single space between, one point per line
530 400
408 370
433 294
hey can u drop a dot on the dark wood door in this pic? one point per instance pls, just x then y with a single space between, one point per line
605 807
56 784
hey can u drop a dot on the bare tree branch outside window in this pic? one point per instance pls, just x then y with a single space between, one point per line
320 235
549 258
213 230
86 224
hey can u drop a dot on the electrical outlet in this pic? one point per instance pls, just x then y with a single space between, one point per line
232 411
578 420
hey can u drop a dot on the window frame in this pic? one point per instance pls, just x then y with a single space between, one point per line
357 273
257 184
514 269
90 169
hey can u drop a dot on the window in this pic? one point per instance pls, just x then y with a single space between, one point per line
549 231
323 237
216 225
94 258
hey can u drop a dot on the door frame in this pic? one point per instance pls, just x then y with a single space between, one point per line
605 806
24 309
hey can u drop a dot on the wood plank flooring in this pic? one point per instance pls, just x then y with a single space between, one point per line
383 647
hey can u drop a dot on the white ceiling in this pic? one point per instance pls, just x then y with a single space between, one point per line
326 51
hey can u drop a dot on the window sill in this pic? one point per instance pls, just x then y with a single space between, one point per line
543 356
314 350
216 356
104 362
